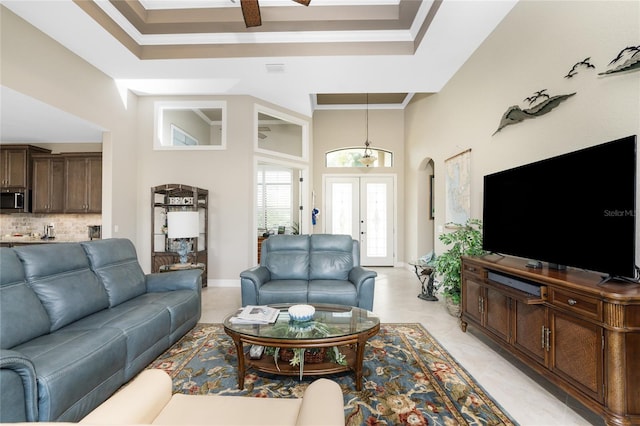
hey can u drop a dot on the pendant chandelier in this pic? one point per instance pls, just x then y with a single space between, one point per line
367 157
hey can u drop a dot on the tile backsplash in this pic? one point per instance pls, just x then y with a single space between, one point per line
68 227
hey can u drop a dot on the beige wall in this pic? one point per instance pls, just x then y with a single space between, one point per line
227 174
333 129
41 68
532 49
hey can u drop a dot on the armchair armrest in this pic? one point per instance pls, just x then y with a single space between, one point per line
322 402
19 393
139 402
176 280
250 282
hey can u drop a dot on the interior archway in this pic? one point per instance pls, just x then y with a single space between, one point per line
426 207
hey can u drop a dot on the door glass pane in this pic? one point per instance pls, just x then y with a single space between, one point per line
341 208
376 222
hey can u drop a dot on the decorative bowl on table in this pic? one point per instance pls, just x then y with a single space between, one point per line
301 313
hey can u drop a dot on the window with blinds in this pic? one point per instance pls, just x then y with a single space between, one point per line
275 193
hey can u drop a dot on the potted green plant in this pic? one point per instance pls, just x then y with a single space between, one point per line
465 240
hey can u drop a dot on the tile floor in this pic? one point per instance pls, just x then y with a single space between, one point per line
530 400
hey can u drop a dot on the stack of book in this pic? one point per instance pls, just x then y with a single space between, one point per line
252 314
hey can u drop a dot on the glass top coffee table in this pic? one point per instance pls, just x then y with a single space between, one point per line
333 328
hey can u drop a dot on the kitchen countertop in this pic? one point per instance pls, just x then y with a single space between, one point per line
28 239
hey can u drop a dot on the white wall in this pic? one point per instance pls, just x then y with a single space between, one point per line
532 49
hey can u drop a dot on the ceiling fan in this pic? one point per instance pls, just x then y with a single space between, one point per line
251 11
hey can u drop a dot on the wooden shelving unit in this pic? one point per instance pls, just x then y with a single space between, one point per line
176 197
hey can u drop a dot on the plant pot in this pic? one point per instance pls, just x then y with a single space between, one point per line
454 309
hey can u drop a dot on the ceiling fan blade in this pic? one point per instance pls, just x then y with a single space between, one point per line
251 13
303 2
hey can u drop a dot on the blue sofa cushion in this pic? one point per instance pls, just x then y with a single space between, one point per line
116 264
287 257
21 314
331 257
75 370
336 292
183 307
63 281
144 325
277 291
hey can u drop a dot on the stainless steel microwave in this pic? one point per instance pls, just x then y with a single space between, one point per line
14 200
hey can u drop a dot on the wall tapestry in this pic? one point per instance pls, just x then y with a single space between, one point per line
458 188
540 103
627 59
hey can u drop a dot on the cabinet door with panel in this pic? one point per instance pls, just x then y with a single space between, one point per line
530 331
14 167
94 185
577 349
472 292
483 304
496 307
48 185
83 175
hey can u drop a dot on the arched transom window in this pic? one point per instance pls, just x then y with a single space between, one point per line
350 157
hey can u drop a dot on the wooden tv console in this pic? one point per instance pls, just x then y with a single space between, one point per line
582 336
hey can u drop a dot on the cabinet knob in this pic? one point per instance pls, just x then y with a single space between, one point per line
571 302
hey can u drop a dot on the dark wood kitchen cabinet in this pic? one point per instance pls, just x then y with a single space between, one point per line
83 183
579 333
15 165
48 184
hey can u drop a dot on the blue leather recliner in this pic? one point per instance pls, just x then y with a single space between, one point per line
79 320
318 268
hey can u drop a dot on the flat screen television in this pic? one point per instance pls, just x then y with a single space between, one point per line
576 209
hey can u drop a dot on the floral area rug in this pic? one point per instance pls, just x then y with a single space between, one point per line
408 379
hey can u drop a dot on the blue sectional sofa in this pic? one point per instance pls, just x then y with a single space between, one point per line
318 268
79 320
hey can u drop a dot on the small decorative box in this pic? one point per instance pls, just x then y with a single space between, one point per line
301 312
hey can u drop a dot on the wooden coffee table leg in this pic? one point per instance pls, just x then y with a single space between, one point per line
362 340
240 352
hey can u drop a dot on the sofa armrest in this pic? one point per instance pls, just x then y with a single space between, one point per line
139 402
19 398
358 276
176 280
364 280
322 404
250 282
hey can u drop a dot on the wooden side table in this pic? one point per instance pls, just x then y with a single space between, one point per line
183 267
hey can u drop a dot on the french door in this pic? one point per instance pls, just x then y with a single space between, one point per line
363 207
